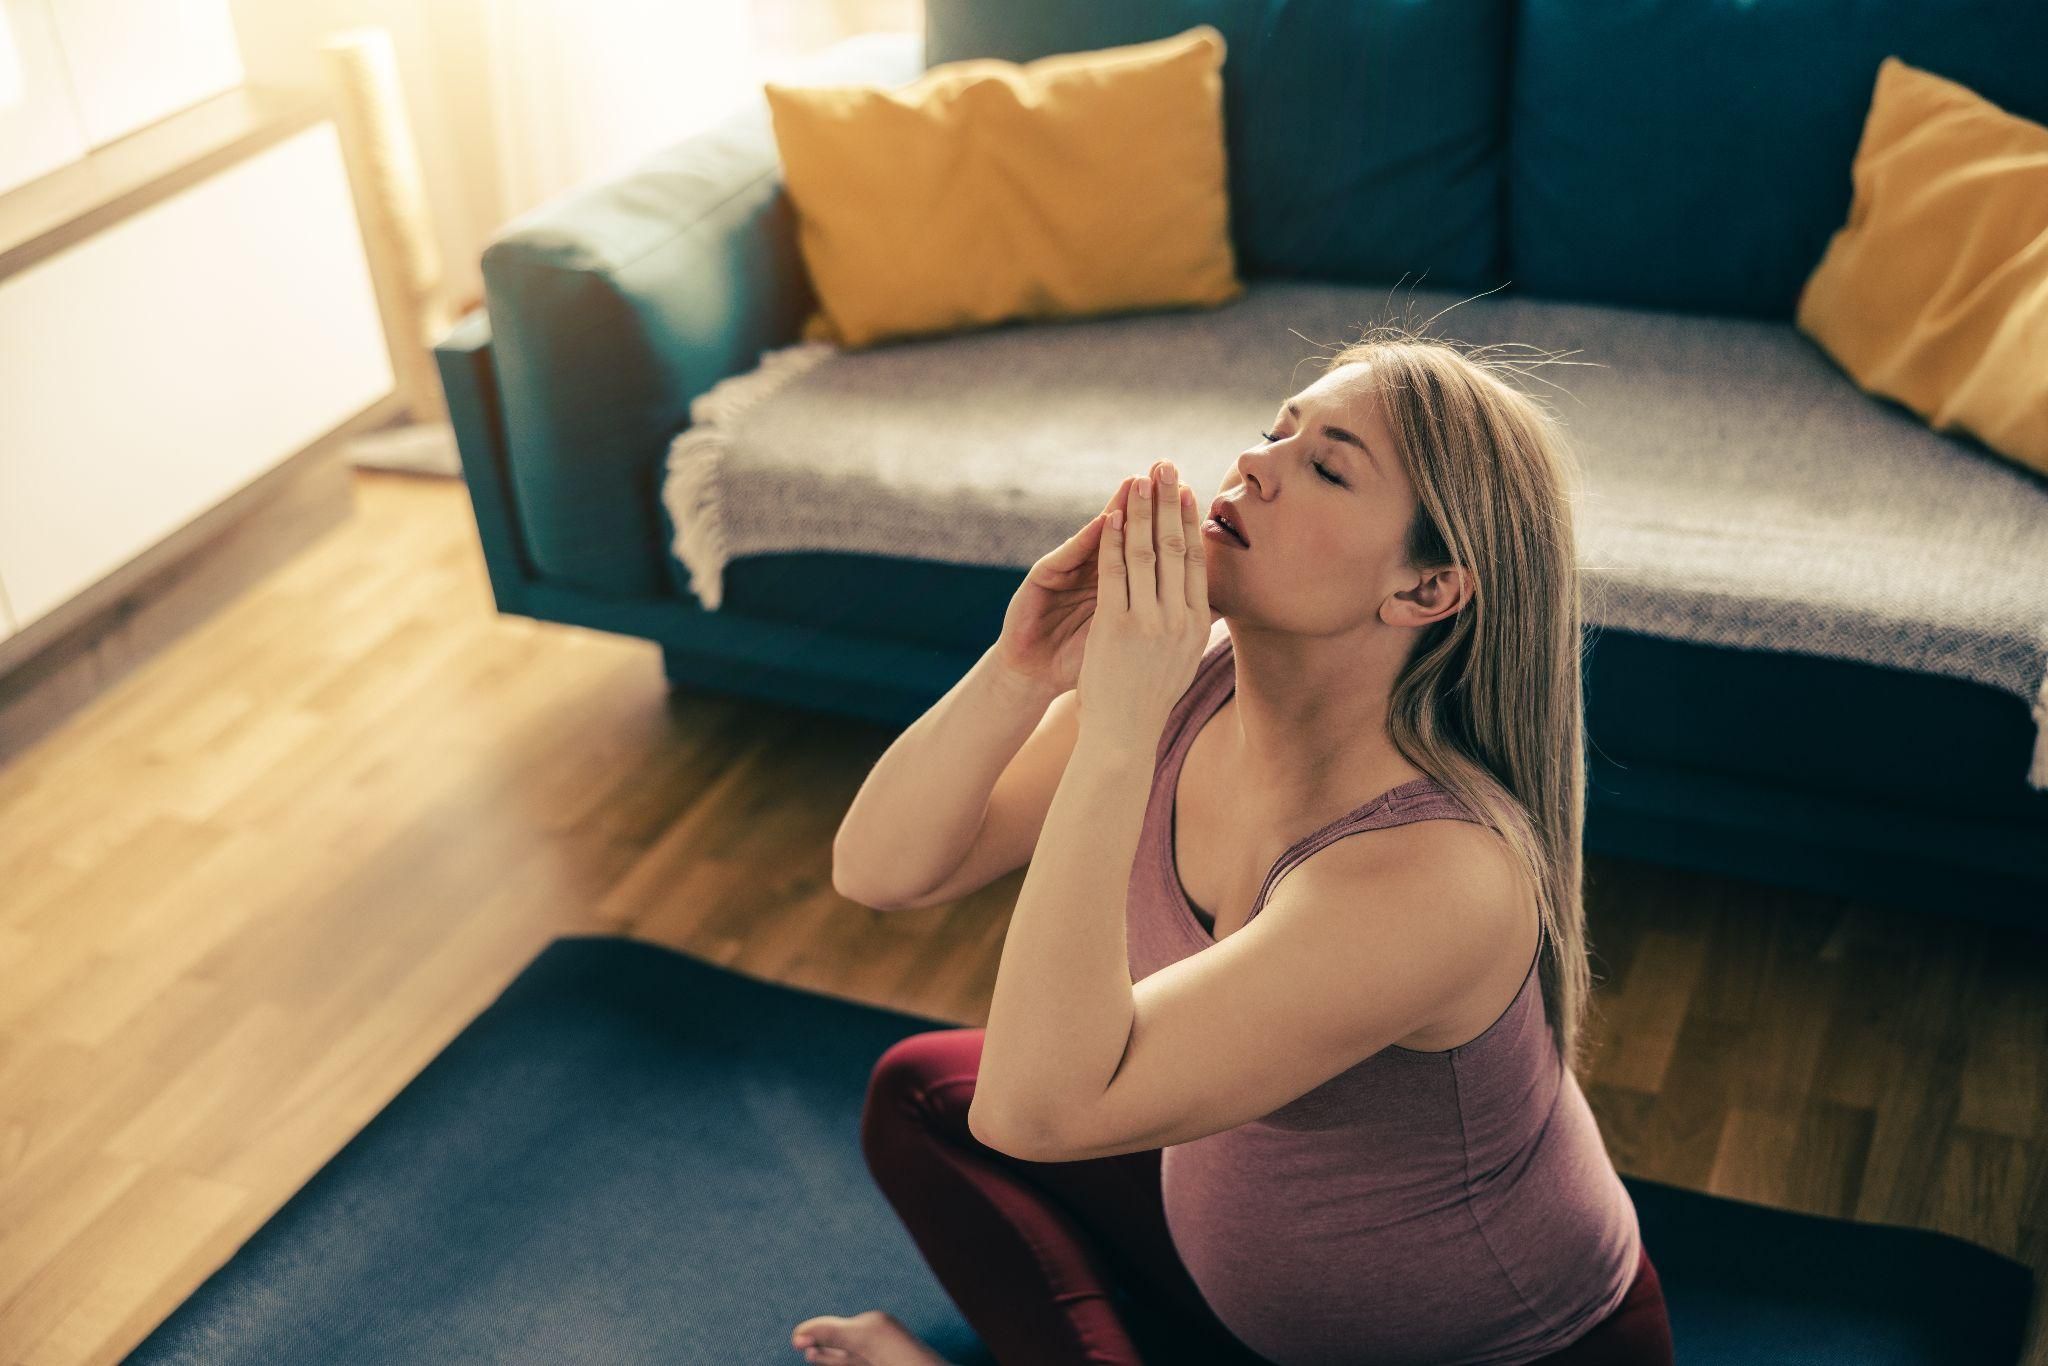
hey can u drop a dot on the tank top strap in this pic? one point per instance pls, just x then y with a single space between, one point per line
1419 799
1422 800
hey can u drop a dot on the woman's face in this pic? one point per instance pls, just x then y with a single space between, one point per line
1326 505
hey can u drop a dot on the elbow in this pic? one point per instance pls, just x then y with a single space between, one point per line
985 1131
847 887
840 882
839 885
1011 1140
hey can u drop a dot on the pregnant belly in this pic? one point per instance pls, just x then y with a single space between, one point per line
1328 1271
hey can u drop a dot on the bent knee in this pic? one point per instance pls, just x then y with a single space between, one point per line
920 1078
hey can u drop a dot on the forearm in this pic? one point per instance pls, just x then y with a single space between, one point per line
1062 1011
917 815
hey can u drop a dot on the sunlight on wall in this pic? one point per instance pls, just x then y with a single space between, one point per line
10 64
582 89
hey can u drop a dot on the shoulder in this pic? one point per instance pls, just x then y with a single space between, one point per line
1421 914
1457 874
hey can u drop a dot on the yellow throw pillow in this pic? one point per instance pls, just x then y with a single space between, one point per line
987 191
1935 293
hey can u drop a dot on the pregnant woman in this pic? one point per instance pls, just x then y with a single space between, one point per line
1280 1063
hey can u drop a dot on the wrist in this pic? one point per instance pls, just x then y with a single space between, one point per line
1012 687
1116 744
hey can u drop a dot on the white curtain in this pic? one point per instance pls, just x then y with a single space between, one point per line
581 89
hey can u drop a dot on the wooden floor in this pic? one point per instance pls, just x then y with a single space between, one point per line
247 895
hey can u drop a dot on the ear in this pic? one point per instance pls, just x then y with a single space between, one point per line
1444 592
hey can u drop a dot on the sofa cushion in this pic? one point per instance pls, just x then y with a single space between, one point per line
1936 291
1684 155
1798 725
1079 184
1741 490
1364 136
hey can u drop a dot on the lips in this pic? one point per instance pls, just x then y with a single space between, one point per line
1224 511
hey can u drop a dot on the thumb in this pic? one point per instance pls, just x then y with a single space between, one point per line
1081 544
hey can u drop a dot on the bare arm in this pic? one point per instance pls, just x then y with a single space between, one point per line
918 815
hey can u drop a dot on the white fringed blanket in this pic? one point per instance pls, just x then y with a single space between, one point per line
1740 489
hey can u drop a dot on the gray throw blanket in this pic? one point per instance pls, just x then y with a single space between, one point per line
1740 489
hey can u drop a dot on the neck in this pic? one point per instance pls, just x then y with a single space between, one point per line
1308 722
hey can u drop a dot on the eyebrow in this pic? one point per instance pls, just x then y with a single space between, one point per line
1336 434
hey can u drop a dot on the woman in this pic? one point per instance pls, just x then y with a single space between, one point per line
1340 1121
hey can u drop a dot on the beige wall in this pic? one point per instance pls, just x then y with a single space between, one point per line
440 61
436 42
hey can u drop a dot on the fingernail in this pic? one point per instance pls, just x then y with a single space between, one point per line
1171 474
1144 488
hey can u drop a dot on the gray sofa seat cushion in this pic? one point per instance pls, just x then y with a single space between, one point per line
1740 489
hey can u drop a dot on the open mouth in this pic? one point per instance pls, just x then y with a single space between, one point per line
1220 522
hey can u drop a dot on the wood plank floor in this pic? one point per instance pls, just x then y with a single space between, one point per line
248 894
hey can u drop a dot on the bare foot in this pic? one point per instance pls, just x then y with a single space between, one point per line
870 1338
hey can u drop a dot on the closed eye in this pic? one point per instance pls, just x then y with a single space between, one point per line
1320 467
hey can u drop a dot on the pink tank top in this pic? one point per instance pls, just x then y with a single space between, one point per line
1453 1207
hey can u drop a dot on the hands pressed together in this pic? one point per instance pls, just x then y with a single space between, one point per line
1152 618
1119 610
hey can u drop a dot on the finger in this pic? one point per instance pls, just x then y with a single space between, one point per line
1198 557
1075 550
1112 595
1172 545
1141 556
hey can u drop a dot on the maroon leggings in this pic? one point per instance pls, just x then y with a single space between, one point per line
1054 1262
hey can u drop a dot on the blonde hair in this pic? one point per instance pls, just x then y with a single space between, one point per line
1490 701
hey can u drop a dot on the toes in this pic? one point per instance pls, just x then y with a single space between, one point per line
819 1340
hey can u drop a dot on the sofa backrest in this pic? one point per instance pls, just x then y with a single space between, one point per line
1682 154
1695 154
1363 136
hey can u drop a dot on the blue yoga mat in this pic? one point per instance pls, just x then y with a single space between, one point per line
636 1156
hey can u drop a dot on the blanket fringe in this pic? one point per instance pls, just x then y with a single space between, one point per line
692 489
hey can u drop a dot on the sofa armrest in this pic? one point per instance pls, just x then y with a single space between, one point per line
469 387
613 306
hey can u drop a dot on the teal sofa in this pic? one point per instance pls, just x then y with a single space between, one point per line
1684 156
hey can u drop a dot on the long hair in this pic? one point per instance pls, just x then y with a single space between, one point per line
1490 700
